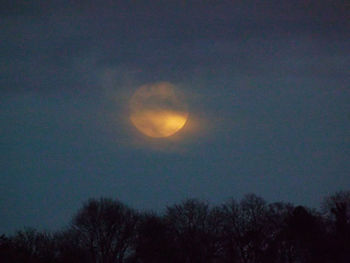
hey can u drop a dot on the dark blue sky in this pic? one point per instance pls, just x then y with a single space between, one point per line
267 84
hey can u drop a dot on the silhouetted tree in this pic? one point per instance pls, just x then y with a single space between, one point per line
249 231
106 229
27 245
68 248
336 209
303 238
246 229
194 229
274 218
6 250
152 243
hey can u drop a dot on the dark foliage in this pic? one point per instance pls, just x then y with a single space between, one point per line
249 231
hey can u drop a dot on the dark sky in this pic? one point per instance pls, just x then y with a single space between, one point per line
267 85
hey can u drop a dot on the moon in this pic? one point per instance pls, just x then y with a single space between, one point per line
158 110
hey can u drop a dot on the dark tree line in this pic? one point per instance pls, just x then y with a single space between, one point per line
248 231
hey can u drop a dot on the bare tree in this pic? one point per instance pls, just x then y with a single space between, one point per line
336 209
67 247
106 228
245 229
30 245
278 248
153 240
195 231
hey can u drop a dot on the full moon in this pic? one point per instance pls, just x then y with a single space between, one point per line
158 110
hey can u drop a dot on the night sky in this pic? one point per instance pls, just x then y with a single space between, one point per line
267 84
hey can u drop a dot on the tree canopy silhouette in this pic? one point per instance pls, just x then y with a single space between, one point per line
106 228
247 231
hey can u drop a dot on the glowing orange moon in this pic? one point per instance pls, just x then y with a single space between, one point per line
158 110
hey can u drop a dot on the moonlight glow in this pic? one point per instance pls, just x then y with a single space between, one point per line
158 110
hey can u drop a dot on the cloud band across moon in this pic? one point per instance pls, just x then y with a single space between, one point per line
158 110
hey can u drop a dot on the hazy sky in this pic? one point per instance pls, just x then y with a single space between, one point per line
267 85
